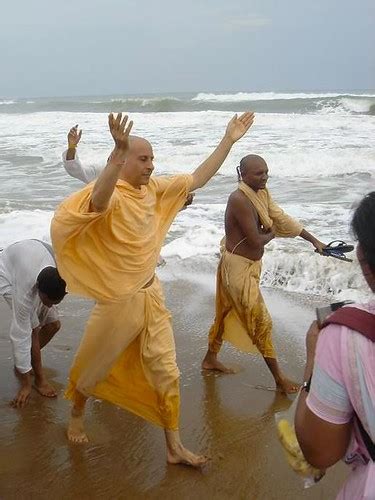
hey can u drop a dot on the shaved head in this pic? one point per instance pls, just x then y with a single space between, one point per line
253 171
138 165
251 162
135 141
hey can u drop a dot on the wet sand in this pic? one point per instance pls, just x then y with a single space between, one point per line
224 416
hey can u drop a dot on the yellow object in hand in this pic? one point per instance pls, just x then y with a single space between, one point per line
288 437
294 453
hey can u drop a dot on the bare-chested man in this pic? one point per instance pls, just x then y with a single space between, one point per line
252 220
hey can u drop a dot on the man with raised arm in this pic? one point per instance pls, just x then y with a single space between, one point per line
107 239
88 173
252 219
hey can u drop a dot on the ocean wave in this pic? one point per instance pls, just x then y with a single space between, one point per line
346 105
6 103
308 273
267 96
300 272
261 102
287 268
329 102
289 265
143 101
195 236
23 224
293 145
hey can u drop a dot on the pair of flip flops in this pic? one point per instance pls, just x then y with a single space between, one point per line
338 249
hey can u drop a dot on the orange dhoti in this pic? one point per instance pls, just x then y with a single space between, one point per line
241 316
127 354
127 357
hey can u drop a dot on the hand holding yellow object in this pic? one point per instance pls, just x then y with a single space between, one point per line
294 453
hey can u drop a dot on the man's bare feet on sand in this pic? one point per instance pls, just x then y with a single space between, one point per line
287 386
76 432
180 455
211 362
45 389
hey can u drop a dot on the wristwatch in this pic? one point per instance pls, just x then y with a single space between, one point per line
306 385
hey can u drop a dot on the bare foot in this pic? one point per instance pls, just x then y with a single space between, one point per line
287 386
180 455
211 362
76 432
45 389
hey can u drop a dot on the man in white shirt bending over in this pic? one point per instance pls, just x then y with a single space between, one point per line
31 286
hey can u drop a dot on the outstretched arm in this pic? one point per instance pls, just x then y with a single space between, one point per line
106 182
71 162
314 241
236 128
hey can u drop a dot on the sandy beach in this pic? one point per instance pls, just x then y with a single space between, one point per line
224 416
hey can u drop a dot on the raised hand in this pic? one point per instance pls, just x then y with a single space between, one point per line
238 126
118 131
74 137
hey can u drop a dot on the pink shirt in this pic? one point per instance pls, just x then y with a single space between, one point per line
343 385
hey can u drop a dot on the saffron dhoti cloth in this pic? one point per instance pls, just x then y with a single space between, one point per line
127 354
241 315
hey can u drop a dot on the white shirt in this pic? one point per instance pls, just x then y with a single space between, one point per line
20 265
75 168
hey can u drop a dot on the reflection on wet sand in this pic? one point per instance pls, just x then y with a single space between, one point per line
222 415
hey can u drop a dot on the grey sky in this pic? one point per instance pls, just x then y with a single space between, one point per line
88 47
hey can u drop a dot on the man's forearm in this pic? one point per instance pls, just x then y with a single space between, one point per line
106 182
71 152
212 164
308 236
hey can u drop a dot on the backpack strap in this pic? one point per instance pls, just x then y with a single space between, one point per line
362 322
356 319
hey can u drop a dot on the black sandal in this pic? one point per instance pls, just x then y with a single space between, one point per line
337 251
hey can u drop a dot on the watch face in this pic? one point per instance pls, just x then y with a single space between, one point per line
306 385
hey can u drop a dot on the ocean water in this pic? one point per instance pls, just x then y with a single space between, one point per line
319 148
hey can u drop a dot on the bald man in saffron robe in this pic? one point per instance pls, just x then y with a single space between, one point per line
107 239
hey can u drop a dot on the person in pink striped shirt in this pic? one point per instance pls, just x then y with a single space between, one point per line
341 362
